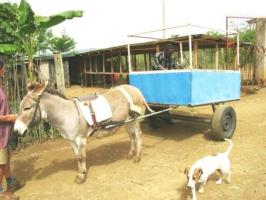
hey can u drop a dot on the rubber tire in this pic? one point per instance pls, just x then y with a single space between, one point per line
223 122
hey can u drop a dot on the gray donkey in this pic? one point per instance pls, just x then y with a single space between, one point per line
42 103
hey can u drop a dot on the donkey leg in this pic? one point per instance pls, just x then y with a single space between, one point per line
135 132
132 150
138 142
79 147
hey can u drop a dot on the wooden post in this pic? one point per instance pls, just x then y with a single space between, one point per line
235 58
66 73
112 63
190 50
112 69
150 62
59 71
181 52
103 71
129 58
260 58
196 54
135 62
91 77
96 68
120 63
83 83
157 48
216 56
145 61
128 63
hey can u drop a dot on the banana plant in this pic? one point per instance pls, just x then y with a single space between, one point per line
8 27
8 48
30 25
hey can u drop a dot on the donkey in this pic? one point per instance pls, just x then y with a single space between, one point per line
42 103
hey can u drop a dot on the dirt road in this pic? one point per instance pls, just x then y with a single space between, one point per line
49 169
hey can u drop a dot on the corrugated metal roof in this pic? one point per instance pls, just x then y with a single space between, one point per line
206 42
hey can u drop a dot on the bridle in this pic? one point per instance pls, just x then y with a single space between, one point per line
36 108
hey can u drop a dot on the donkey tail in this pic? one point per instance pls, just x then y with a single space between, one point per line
230 146
147 105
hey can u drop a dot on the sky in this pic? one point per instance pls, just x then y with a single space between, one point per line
107 23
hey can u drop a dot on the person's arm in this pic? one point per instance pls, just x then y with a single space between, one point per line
8 118
158 61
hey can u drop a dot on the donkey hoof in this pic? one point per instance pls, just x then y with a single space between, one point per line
80 180
137 159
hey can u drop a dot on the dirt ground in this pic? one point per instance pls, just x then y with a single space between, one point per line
49 169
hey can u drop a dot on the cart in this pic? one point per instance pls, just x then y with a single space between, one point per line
174 88
192 87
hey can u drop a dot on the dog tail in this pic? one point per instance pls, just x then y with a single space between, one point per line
230 146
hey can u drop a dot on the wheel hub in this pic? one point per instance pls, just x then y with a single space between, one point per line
227 122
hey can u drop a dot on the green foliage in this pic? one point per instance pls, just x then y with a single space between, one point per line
47 22
62 44
8 49
248 36
8 22
8 28
43 39
26 18
27 29
214 33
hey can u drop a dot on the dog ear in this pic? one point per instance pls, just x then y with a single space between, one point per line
186 171
200 171
197 173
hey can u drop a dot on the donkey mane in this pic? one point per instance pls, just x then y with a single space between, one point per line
55 92
49 90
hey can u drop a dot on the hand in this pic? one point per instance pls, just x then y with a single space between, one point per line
8 118
12 117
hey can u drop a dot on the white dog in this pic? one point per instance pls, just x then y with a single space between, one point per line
203 168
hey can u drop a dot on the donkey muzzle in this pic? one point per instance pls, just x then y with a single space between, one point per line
20 127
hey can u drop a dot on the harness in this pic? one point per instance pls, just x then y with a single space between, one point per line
35 111
93 116
96 125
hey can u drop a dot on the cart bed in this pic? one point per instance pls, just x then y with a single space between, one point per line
187 87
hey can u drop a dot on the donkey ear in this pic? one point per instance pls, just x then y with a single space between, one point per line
40 88
30 85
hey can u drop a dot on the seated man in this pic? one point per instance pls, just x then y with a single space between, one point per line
164 59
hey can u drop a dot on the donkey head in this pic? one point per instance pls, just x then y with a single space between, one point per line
30 111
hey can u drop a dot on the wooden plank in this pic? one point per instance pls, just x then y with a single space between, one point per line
106 73
59 71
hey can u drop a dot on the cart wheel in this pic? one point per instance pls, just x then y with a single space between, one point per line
224 122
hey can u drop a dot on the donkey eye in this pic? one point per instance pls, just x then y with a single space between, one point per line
27 108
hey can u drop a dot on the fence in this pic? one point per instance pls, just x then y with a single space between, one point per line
15 88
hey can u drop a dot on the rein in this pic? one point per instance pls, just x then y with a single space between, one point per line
35 111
